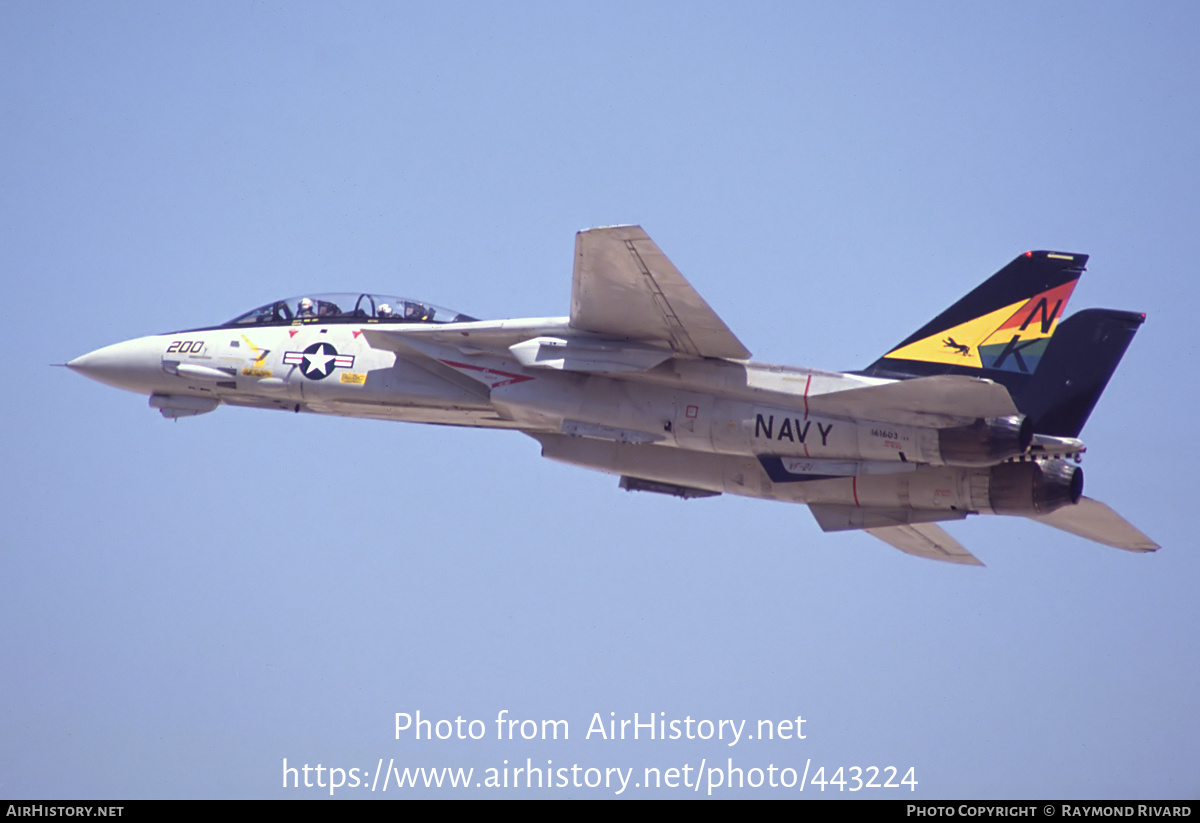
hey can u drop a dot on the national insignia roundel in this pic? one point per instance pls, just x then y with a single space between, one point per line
319 360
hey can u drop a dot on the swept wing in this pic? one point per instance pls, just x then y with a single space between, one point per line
624 286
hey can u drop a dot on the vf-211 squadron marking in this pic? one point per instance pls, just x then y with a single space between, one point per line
977 412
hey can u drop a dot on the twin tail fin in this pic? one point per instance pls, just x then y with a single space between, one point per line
1010 330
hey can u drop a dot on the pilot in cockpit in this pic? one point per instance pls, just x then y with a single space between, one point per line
305 309
416 313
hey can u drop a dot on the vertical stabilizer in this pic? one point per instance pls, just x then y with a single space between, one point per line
1008 330
1003 325
1075 370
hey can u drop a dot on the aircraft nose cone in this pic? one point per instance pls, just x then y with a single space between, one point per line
92 364
135 365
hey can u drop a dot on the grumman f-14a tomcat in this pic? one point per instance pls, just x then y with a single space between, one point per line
977 412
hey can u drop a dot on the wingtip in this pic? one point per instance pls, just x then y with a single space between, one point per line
1098 522
610 227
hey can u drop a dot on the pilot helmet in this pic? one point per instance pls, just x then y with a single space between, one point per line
385 310
306 305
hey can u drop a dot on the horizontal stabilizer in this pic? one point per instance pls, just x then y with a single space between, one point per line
926 540
910 530
832 517
624 286
947 395
1094 520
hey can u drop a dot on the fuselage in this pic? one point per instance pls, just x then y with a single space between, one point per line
711 424
978 411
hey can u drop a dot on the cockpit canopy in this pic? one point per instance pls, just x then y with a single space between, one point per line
347 308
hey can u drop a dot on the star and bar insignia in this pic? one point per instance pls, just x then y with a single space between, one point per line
318 361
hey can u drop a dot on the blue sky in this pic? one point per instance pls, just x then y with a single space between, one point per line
191 603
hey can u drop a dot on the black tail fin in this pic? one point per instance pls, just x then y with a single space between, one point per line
1075 370
1007 330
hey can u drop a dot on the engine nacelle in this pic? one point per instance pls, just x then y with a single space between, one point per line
1033 488
985 442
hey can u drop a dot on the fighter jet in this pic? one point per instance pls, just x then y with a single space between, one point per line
977 412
